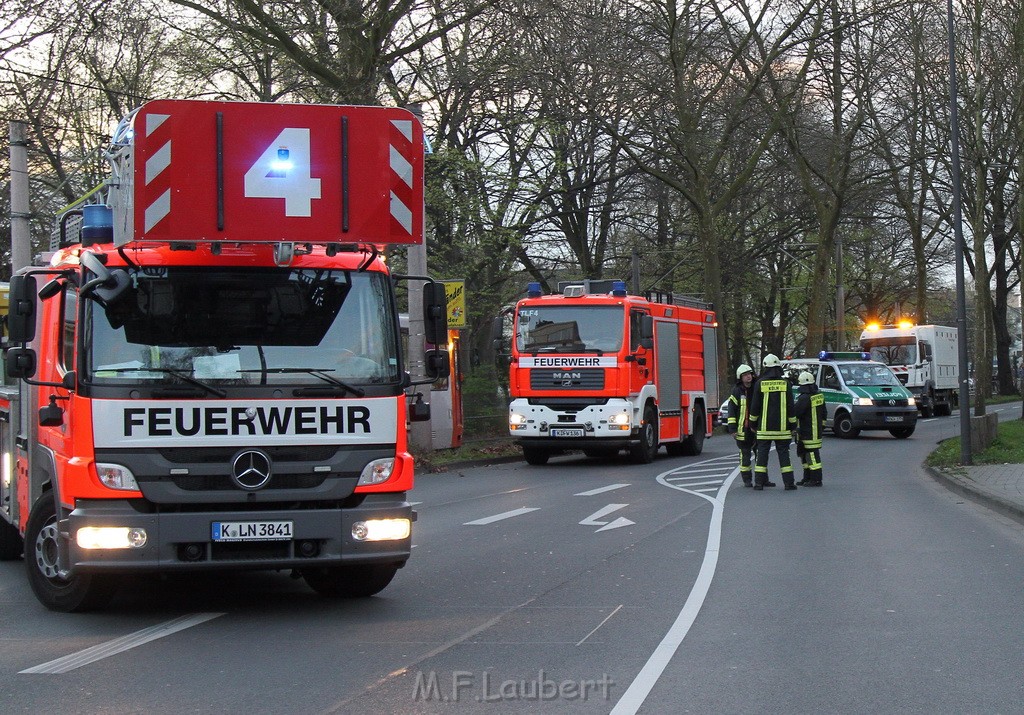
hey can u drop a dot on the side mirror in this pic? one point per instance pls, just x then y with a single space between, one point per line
51 415
108 285
647 332
436 364
20 363
21 315
435 314
419 411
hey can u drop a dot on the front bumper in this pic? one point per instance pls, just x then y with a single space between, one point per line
183 540
875 417
575 428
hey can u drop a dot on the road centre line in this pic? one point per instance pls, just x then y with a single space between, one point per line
504 515
120 645
601 490
644 682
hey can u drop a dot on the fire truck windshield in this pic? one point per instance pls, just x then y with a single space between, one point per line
569 329
244 327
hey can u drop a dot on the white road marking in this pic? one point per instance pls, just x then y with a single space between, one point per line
120 645
601 490
606 619
618 523
711 489
499 517
604 511
643 683
697 484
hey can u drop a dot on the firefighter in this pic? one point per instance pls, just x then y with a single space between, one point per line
771 414
738 422
809 410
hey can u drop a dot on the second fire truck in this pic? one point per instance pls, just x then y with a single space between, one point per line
597 369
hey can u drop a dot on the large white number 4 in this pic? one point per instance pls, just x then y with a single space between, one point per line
283 172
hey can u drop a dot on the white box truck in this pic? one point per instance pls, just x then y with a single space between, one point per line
923 357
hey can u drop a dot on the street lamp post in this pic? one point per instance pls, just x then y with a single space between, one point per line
961 299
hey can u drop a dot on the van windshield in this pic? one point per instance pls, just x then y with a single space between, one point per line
868 374
891 351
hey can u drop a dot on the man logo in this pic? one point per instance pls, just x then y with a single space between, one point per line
250 470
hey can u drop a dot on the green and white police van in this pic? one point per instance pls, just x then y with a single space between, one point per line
860 394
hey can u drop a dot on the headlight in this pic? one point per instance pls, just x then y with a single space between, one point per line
911 401
377 471
514 418
621 418
110 537
115 476
381 530
862 401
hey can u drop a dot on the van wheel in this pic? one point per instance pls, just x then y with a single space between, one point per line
54 589
350 581
901 432
536 456
644 452
11 544
842 426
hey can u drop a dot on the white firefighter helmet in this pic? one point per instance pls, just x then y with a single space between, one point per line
743 370
771 360
805 378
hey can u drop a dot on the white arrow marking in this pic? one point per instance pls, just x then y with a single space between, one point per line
499 517
621 521
601 490
592 520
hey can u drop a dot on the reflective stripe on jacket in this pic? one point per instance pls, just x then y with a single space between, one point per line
809 410
771 413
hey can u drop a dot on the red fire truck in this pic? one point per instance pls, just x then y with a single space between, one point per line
597 369
207 373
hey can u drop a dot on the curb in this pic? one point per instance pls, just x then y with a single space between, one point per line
961 486
455 466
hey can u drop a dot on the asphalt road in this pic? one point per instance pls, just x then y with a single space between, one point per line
586 586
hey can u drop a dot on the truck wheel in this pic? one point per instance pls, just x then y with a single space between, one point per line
901 432
927 411
694 444
644 452
842 426
69 594
11 544
350 581
944 409
536 456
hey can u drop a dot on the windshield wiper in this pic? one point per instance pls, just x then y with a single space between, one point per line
315 372
176 373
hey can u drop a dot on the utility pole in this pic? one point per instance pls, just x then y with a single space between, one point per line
420 435
21 234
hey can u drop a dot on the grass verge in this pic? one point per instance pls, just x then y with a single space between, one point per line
1007 448
439 460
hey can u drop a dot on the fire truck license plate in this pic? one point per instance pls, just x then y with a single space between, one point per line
566 432
894 418
251 530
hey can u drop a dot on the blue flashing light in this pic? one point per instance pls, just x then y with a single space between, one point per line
97 224
533 290
829 355
619 289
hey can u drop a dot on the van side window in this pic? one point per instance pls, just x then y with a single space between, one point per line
829 378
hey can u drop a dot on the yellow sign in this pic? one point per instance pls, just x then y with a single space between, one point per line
455 296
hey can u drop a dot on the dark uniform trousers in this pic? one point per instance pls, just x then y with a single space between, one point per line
764 446
746 447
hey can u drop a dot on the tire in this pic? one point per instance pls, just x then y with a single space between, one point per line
536 456
842 426
902 432
944 409
68 594
11 543
644 452
694 443
350 581
927 411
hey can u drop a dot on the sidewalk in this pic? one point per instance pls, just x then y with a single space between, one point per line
998 486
